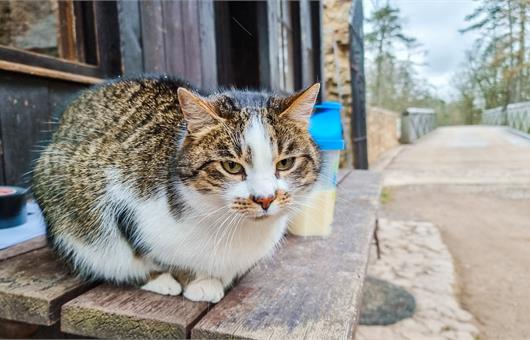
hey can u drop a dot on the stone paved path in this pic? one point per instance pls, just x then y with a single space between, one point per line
473 184
415 258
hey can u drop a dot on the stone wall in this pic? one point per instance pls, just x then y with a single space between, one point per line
383 131
381 124
336 63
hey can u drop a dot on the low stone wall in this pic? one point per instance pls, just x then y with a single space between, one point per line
383 131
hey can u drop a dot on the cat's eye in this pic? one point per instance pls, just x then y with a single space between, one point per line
232 167
285 164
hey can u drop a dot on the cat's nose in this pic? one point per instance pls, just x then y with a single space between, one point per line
265 202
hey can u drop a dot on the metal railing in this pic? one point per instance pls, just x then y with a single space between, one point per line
416 122
516 116
358 86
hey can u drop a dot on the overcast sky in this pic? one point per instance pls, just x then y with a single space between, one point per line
435 23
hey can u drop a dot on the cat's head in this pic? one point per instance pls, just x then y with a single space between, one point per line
248 152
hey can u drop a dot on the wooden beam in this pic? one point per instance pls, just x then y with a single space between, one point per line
22 248
108 38
273 36
130 37
208 47
18 56
33 287
66 32
110 312
48 73
153 35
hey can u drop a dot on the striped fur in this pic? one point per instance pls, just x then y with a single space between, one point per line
133 184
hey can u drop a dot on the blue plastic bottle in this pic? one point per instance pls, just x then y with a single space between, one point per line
326 129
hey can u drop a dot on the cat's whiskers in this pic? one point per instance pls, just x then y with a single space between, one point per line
222 230
208 214
231 236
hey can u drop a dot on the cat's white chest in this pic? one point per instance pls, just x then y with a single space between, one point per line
221 245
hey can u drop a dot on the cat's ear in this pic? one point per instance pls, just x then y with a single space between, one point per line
198 111
301 104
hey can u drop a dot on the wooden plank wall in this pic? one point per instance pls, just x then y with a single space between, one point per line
175 37
27 107
179 38
306 44
130 37
273 31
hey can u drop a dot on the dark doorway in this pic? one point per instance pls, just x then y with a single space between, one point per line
237 43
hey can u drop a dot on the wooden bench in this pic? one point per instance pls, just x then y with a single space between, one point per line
311 288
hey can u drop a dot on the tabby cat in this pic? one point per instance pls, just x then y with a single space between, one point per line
148 182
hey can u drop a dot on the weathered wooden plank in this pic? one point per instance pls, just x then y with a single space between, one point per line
208 48
2 165
306 44
41 61
24 112
263 43
174 39
16 330
24 247
60 94
33 287
273 36
66 31
312 288
191 36
130 37
153 36
111 312
108 38
224 43
48 73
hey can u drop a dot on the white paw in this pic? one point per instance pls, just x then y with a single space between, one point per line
209 290
163 284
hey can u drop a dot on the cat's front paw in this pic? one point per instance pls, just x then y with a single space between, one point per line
164 284
209 290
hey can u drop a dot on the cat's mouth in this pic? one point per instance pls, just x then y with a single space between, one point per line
262 215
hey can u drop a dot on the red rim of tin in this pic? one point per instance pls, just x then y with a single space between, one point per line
7 191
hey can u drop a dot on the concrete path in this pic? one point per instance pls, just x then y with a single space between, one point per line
463 155
474 184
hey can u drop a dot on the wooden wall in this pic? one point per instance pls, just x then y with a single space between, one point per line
174 37
28 105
